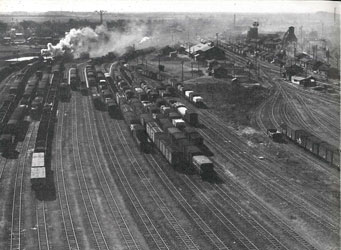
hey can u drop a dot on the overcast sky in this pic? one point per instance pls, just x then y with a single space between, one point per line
168 6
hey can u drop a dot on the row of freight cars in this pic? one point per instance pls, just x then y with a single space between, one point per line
42 148
161 99
178 143
187 93
311 143
11 114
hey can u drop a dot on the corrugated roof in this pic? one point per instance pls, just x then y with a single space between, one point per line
199 47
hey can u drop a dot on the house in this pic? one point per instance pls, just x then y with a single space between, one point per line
203 52
323 70
304 81
173 54
219 71
19 38
166 50
292 71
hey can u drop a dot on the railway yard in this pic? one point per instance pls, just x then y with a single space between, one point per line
106 156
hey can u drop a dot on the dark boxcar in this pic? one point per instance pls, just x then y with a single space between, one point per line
193 136
283 129
145 118
159 102
129 94
291 132
312 144
152 128
323 148
139 135
64 91
173 155
176 136
336 158
183 143
158 137
153 109
6 141
15 121
36 106
174 115
191 151
153 95
192 117
165 124
106 93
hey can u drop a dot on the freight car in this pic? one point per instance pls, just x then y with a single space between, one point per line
38 171
97 98
187 93
187 156
43 85
13 130
14 124
6 110
317 147
47 120
36 107
64 91
30 92
73 78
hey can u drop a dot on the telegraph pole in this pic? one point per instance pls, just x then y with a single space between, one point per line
182 71
101 12
192 68
159 63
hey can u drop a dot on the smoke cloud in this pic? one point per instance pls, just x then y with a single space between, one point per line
99 41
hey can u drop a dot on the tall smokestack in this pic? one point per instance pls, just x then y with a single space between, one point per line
217 35
234 21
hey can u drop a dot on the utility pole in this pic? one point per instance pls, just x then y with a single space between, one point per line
301 36
217 35
159 63
192 68
182 71
101 12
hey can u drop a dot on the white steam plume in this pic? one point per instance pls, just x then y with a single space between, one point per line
97 42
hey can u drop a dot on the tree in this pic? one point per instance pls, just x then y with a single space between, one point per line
3 27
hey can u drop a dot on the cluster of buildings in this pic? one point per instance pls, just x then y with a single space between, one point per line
16 36
212 57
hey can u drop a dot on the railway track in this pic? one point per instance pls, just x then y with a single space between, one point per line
182 234
71 235
252 226
225 133
278 115
285 230
107 186
204 227
273 185
41 223
152 234
98 238
282 180
17 201
3 163
286 117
